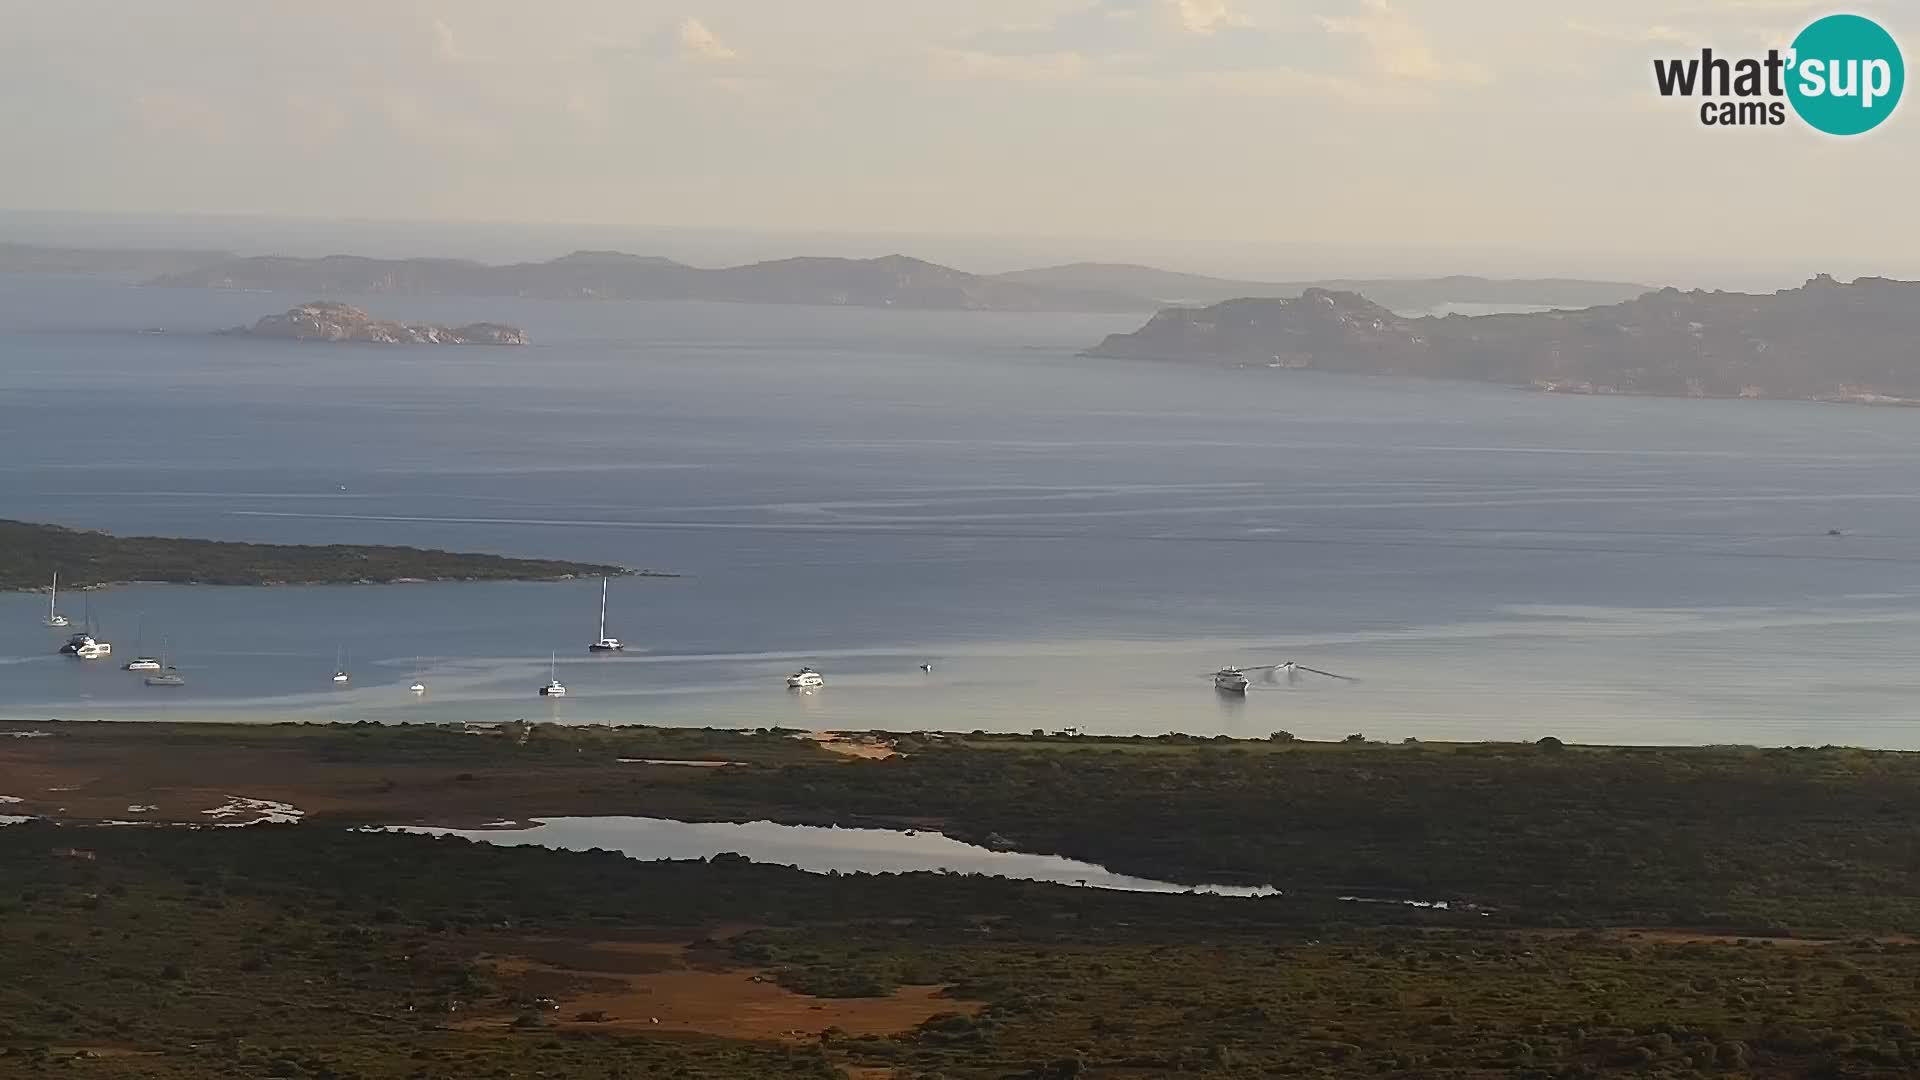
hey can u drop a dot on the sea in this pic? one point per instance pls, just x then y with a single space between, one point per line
1068 542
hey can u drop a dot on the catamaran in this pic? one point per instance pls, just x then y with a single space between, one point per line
85 645
605 644
554 687
54 618
141 661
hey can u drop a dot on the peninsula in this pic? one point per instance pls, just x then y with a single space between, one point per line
30 553
325 320
1824 341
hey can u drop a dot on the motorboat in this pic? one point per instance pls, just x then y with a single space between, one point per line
1230 680
605 643
143 663
805 679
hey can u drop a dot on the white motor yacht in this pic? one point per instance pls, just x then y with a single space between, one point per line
143 663
805 679
1230 679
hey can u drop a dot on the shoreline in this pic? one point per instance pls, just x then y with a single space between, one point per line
104 586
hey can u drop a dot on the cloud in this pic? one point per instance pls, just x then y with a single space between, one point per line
1292 83
1635 35
446 48
1399 48
176 115
696 42
1206 16
1030 67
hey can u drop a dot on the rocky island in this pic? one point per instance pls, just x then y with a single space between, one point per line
30 553
1822 341
325 320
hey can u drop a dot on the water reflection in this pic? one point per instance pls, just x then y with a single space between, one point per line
815 848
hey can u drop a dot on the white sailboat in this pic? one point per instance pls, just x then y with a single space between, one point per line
340 676
605 643
418 686
54 618
554 687
170 676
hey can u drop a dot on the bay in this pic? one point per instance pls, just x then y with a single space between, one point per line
1070 542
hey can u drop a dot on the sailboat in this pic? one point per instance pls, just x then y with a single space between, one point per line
554 687
169 677
340 676
54 618
418 687
605 644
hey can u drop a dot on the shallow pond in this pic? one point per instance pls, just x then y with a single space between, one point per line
815 848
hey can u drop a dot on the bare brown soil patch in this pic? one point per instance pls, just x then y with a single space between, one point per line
655 986
869 747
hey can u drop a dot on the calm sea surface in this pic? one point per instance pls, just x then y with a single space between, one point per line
1069 542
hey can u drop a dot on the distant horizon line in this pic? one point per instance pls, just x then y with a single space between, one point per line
984 254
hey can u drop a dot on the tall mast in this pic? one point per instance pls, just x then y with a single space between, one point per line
53 597
603 609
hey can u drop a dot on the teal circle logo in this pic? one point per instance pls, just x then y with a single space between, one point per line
1846 74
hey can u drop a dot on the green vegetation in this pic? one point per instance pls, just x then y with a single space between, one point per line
31 553
298 951
1742 840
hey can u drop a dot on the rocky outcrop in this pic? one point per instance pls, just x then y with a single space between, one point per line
1824 340
328 321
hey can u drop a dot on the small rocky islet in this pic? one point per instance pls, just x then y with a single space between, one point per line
331 321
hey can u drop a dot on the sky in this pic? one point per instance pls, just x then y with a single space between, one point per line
1203 132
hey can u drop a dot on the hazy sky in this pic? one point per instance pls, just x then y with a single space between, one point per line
1180 124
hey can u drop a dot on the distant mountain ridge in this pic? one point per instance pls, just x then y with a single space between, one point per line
1823 340
889 281
1399 294
897 281
136 262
